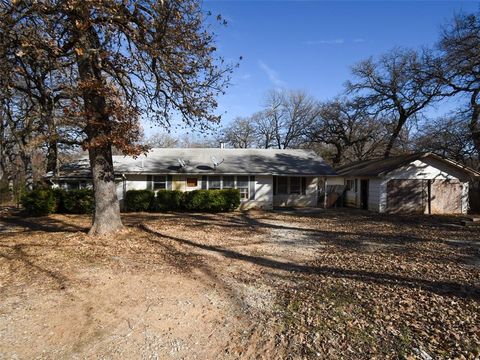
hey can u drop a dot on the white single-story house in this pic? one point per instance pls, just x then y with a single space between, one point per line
422 183
265 177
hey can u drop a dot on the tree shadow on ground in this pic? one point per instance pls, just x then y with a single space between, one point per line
16 253
46 224
444 288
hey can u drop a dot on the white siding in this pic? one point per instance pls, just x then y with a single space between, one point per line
352 197
382 202
374 191
119 187
424 170
179 182
136 182
335 180
264 197
263 194
465 203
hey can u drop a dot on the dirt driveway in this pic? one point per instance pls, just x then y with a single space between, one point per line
253 285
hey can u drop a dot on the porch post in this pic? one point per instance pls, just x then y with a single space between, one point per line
325 190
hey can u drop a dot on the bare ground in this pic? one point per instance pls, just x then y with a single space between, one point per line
253 285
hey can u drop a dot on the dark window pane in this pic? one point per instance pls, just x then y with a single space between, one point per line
242 181
214 182
228 182
282 185
159 182
295 185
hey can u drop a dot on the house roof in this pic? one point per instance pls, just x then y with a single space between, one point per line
382 166
201 161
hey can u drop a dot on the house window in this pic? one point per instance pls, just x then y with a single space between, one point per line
242 186
214 182
159 182
282 185
192 182
229 182
350 185
295 185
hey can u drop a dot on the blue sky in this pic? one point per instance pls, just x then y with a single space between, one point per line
310 45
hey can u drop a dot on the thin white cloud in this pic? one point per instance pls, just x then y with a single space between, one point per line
272 74
245 76
359 40
325 42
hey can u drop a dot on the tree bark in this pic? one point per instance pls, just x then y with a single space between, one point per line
391 142
475 123
52 151
338 156
106 217
52 155
28 169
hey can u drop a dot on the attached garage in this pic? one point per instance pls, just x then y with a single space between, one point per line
418 183
424 196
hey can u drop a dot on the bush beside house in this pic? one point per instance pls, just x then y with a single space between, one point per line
168 200
139 200
40 202
212 200
80 201
174 200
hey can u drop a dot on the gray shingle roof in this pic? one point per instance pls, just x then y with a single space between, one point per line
200 161
382 166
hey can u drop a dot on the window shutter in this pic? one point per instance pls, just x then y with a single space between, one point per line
204 182
252 188
274 185
149 182
304 185
169 182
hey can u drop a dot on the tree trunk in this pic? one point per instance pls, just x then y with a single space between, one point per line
338 156
27 167
98 129
3 162
475 124
52 151
52 155
107 209
394 136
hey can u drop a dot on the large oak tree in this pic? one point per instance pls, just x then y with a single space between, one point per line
395 86
121 60
458 66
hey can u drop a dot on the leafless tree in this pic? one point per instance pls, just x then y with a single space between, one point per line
396 86
241 133
458 67
286 115
161 140
264 130
449 137
348 129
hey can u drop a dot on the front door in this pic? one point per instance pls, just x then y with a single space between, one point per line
364 194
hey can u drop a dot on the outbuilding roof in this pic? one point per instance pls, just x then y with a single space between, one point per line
382 166
211 161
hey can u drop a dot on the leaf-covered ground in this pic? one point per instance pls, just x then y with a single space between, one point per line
273 285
